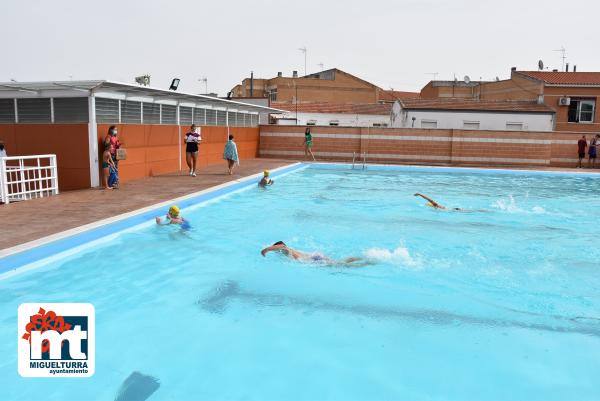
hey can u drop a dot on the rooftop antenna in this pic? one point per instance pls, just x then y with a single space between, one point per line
563 52
433 74
304 50
321 66
467 79
540 65
205 81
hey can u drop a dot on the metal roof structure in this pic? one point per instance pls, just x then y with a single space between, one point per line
120 90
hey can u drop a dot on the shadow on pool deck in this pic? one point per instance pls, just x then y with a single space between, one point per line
37 218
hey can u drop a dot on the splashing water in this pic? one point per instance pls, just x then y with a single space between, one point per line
399 256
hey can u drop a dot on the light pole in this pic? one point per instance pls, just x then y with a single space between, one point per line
304 50
205 80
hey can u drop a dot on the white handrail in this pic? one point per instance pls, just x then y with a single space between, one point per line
21 179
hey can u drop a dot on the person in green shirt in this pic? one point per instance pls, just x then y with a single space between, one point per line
308 144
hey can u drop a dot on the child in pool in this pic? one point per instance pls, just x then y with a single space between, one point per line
173 217
266 180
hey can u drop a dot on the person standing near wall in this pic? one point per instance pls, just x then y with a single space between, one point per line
112 143
308 144
192 139
581 145
592 151
231 155
2 150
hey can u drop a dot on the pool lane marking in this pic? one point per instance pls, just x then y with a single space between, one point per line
23 255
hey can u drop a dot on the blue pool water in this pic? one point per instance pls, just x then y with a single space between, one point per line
500 302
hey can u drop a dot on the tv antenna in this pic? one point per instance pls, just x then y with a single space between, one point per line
563 52
540 65
321 66
205 81
467 79
304 50
433 74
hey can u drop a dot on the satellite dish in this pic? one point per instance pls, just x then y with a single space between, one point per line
467 79
540 65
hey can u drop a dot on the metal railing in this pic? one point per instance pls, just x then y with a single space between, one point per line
27 177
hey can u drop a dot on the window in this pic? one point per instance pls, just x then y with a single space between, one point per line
273 95
380 125
221 118
514 126
470 124
185 115
582 110
34 110
429 124
200 116
7 111
107 110
311 122
169 114
131 112
151 113
71 110
334 123
211 117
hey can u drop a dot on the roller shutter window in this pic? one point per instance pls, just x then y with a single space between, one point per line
185 115
107 110
131 112
71 110
231 119
7 111
34 110
151 113
255 120
169 114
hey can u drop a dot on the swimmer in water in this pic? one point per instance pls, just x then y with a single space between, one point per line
319 258
173 217
434 204
266 180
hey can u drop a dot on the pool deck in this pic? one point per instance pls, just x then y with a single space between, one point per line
37 218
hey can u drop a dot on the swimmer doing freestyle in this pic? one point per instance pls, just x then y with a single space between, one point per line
319 258
434 204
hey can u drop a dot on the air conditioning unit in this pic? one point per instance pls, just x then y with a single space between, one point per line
564 101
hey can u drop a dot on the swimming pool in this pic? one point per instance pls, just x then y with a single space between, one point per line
497 302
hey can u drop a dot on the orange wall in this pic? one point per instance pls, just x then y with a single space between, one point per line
154 149
439 146
68 141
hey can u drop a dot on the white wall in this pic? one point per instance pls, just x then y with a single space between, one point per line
344 119
487 120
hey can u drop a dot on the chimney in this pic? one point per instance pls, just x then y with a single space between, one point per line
574 68
513 69
294 74
567 68
279 74
251 83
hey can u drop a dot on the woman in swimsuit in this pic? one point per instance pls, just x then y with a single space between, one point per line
318 258
308 144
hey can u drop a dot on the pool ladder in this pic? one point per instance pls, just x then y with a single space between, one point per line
364 166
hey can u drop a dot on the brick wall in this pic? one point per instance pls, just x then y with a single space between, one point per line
421 146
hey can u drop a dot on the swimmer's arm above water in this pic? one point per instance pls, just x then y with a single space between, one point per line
431 201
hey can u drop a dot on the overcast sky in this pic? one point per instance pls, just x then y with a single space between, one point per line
389 43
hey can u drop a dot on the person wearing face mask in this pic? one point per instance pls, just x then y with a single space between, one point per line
112 143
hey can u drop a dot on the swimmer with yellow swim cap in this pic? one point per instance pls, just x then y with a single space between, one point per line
172 217
266 180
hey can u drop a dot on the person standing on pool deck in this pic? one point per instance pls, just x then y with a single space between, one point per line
592 151
231 155
192 139
581 145
319 258
308 144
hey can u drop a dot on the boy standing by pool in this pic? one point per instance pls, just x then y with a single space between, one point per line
581 145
